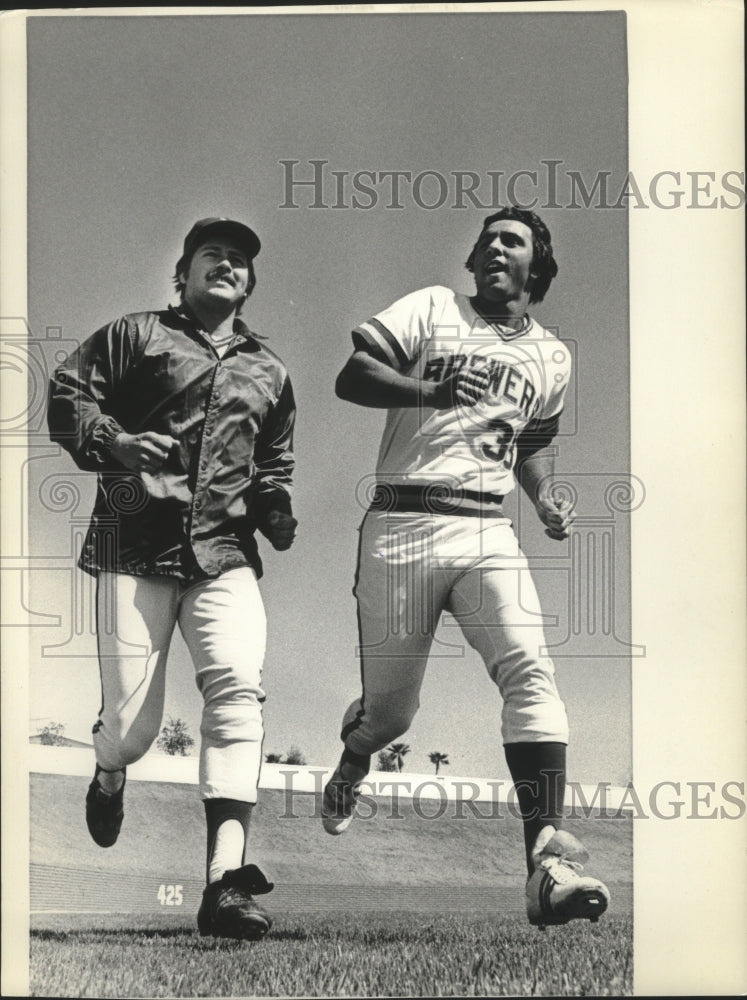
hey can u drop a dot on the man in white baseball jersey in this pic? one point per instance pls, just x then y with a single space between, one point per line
474 390
187 419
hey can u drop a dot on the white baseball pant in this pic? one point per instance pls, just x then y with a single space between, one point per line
223 624
411 568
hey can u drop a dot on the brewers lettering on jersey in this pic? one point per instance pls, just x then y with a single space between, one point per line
435 334
474 389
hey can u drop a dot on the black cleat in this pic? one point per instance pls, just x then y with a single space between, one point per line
228 909
104 812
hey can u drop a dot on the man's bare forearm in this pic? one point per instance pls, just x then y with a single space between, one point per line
369 382
535 473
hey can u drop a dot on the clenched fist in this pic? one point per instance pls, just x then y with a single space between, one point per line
142 452
556 515
280 530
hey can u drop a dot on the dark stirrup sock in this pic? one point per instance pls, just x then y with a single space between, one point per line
538 772
217 812
362 761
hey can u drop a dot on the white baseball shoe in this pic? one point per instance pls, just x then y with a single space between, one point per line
556 891
338 803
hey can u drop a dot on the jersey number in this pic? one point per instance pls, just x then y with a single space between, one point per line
502 449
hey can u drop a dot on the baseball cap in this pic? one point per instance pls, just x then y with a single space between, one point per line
245 237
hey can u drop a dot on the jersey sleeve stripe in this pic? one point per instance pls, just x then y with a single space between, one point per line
548 425
536 435
374 332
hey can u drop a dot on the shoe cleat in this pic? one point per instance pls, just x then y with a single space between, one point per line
229 910
338 803
104 811
557 892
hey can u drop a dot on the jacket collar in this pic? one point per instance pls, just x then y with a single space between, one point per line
185 315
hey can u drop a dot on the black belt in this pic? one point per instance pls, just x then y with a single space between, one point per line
435 498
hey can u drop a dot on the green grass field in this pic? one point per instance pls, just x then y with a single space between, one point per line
402 905
344 954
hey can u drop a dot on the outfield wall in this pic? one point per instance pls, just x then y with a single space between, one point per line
56 889
430 856
300 779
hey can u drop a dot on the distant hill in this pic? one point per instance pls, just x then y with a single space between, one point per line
163 840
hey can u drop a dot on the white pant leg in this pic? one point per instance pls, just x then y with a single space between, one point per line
223 624
498 610
400 597
136 616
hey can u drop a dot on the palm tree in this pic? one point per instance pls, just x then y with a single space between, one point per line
397 752
438 759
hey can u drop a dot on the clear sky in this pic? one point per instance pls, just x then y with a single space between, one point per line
140 126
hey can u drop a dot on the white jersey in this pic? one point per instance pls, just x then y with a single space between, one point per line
431 333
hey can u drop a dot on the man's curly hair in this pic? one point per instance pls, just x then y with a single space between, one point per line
544 265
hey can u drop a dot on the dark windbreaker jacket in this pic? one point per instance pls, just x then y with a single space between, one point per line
233 417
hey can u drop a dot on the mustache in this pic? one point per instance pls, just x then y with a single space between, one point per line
220 272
